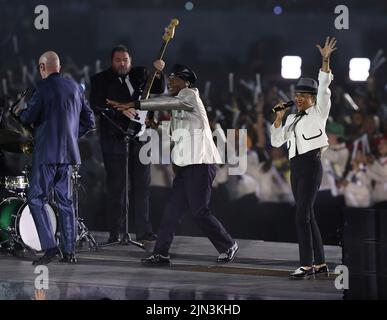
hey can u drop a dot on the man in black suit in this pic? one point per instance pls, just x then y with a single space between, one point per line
122 82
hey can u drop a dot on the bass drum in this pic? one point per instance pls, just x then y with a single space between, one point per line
16 223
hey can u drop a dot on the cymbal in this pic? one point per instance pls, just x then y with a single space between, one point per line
13 141
12 136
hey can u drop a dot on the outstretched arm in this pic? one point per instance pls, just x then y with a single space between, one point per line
325 77
160 103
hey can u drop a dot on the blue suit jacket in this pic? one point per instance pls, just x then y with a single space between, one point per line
60 114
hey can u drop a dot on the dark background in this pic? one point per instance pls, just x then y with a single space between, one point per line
216 37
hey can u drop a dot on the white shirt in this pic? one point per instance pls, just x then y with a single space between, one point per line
378 172
357 193
309 133
191 132
334 161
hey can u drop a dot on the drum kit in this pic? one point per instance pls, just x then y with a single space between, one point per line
17 227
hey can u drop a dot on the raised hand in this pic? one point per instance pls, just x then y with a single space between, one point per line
40 294
159 65
329 47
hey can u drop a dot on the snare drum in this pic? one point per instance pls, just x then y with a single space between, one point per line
16 222
17 183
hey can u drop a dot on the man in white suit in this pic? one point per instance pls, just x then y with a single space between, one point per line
194 156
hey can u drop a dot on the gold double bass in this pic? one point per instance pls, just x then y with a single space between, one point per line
168 35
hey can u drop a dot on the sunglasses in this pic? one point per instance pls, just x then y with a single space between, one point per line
38 66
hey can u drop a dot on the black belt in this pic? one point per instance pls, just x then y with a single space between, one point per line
312 154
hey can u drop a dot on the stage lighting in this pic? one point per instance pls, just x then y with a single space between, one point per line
189 6
291 67
277 10
359 69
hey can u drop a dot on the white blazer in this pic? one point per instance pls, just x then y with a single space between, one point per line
191 132
309 132
189 128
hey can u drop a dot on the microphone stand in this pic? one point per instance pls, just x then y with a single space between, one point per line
128 135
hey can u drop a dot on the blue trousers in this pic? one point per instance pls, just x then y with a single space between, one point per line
44 179
192 190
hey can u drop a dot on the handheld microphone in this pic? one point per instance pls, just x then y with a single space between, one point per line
283 106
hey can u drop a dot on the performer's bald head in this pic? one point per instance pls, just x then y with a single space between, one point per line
48 63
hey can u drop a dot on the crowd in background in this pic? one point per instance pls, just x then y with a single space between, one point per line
355 164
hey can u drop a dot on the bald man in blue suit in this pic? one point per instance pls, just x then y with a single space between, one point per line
60 114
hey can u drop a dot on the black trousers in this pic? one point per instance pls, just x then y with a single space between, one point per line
306 176
192 190
138 193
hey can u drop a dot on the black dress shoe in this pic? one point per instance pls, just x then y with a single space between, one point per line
47 257
157 260
229 255
321 271
68 258
147 237
302 273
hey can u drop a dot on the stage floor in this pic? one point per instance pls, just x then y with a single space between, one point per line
260 271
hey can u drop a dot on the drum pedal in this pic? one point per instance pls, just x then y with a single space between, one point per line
83 233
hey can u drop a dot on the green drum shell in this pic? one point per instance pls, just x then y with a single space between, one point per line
9 210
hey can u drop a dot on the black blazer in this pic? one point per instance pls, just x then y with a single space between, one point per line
107 85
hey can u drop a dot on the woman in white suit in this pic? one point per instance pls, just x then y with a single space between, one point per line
305 136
